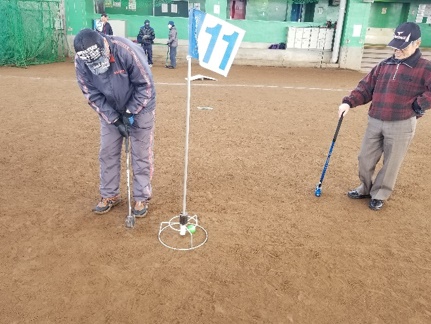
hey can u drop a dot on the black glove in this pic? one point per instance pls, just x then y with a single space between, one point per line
417 109
123 129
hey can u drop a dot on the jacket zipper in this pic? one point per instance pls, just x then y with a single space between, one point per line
396 71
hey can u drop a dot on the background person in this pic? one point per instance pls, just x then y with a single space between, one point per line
399 89
114 77
172 44
106 26
146 38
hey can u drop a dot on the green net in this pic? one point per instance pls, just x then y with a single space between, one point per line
31 32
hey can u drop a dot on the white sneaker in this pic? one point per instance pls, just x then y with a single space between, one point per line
150 65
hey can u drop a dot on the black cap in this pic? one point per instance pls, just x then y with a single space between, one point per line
405 34
86 38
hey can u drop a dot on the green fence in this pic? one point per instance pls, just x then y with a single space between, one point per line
31 32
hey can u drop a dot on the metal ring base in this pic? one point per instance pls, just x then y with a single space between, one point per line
179 237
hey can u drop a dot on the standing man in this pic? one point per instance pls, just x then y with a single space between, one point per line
106 27
399 89
146 39
114 77
172 44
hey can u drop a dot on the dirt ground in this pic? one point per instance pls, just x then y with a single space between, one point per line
275 252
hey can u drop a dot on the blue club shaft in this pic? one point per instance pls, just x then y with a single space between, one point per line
317 191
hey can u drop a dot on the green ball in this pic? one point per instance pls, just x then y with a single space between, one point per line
191 228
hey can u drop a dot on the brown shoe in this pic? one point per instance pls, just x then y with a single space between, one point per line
106 204
141 209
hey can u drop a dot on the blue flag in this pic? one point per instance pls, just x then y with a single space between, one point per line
195 23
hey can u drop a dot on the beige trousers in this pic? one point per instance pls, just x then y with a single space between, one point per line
391 140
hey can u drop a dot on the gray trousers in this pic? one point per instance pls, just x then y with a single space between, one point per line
173 55
142 156
390 139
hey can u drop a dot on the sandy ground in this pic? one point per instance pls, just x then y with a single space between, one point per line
275 253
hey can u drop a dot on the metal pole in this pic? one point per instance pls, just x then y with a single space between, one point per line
186 156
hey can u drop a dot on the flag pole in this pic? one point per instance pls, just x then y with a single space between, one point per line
201 28
197 235
184 216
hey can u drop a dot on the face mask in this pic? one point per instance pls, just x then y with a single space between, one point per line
96 59
99 66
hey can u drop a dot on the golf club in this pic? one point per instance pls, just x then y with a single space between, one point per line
318 190
130 219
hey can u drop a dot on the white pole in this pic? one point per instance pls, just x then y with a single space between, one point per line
186 156
184 217
338 32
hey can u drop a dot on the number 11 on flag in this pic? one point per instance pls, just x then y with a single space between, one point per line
214 42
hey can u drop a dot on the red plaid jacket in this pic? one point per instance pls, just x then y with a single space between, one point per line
394 87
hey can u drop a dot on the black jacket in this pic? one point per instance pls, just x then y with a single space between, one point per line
107 29
146 31
128 83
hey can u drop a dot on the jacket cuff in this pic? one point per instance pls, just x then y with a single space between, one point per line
416 105
347 101
117 122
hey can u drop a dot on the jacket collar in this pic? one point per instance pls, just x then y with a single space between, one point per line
410 61
111 50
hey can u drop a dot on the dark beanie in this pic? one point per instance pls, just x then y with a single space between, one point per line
171 23
87 38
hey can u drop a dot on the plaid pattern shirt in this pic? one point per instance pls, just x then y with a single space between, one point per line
394 87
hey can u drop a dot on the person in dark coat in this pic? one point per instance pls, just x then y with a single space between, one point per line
106 27
114 77
146 38
172 44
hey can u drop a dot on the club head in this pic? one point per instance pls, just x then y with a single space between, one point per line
130 221
317 191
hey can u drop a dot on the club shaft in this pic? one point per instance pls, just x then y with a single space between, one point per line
128 174
325 167
326 163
